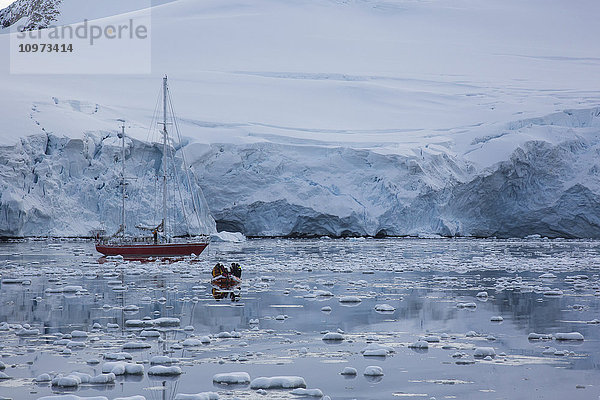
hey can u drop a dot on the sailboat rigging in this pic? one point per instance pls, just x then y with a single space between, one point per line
163 245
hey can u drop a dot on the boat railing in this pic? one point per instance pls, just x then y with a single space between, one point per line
150 240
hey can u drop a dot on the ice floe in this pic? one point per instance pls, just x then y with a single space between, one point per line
384 308
278 382
232 378
122 368
197 396
373 370
162 370
568 336
482 352
307 392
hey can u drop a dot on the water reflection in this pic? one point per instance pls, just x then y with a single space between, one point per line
64 289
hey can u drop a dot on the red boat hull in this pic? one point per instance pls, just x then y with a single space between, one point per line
144 250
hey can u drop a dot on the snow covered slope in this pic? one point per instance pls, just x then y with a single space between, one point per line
348 117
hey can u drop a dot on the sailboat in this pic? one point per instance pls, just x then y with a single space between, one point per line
160 244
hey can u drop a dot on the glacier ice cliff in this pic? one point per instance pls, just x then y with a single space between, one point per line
548 184
55 186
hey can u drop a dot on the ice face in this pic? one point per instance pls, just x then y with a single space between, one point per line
69 187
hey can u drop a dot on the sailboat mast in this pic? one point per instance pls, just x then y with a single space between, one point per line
164 220
122 178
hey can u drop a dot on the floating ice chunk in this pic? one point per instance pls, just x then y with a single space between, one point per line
466 305
482 295
15 281
553 292
464 362
111 325
278 382
136 397
43 378
496 318
149 333
307 392
131 308
349 371
547 275
350 299
72 344
197 396
373 370
189 328
432 339
122 368
4 376
205 340
166 322
333 336
162 370
136 345
253 321
190 342
79 334
103 379
326 309
84 378
539 336
120 356
420 344
223 236
224 335
161 360
568 336
471 334
96 326
594 321
2 366
72 289
549 351
162 322
384 308
69 381
481 352
232 378
376 350
375 353
27 332
280 317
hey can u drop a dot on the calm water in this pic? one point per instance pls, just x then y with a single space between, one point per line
284 282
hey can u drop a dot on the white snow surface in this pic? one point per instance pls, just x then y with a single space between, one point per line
450 117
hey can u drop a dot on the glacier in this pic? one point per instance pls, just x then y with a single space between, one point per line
57 186
53 186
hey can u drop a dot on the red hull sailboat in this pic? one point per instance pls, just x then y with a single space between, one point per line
161 243
144 250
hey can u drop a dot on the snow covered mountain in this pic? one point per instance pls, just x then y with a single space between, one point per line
319 117
33 14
